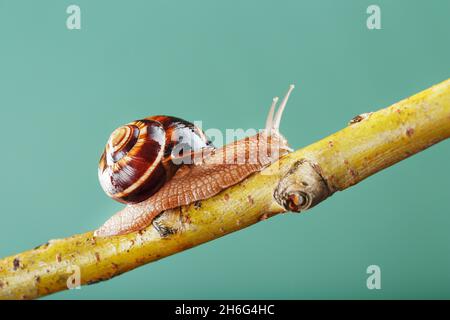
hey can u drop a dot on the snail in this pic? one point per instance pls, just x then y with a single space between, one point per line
162 162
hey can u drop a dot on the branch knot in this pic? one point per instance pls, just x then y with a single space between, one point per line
302 187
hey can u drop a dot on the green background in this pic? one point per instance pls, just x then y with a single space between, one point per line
63 91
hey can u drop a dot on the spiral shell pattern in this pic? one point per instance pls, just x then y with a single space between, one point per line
136 160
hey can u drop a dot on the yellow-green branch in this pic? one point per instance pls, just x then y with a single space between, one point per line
297 182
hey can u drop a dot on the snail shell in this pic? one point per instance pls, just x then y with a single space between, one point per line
138 157
218 170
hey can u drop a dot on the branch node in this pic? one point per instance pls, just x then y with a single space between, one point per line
360 117
302 187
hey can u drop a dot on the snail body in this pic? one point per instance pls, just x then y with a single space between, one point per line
165 183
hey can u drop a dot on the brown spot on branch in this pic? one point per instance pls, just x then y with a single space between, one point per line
16 264
198 204
360 118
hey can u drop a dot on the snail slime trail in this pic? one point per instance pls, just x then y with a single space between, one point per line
142 165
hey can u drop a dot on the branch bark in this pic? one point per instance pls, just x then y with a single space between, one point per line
297 182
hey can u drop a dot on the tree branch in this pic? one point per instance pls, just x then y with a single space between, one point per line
297 182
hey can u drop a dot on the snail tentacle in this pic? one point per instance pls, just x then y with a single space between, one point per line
278 115
269 120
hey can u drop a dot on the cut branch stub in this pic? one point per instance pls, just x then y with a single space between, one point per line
302 187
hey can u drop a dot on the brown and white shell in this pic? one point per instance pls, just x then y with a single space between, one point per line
137 160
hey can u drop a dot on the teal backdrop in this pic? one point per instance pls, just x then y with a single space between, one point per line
63 91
